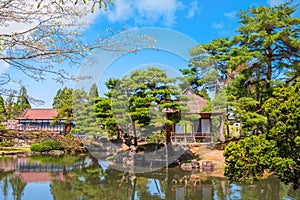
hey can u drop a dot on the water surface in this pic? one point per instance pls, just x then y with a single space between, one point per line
83 177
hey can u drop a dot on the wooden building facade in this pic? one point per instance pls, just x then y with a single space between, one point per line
41 119
194 125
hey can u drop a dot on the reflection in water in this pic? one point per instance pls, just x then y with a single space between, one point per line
83 177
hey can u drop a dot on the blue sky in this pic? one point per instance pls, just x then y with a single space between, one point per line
199 20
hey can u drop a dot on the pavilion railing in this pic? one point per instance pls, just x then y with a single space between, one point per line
191 137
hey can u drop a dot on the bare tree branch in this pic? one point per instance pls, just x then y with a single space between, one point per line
52 36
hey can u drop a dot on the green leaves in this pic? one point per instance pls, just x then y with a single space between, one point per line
247 159
46 145
138 100
265 52
2 109
85 112
22 102
63 102
277 149
283 112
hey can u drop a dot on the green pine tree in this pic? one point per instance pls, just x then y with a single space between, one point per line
140 98
22 102
265 53
63 102
2 110
94 91
85 113
10 107
104 111
278 149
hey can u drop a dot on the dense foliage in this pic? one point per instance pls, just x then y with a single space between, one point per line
283 113
276 150
139 99
3 113
63 102
7 144
46 145
22 102
104 112
85 114
263 55
14 105
258 68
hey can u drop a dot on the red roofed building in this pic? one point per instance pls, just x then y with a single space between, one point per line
40 119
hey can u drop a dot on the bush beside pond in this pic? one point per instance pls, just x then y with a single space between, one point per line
46 145
48 142
7 144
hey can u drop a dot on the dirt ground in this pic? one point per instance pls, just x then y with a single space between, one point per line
216 156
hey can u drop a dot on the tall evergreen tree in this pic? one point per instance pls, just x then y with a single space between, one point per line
63 102
22 102
3 115
104 111
85 113
270 35
264 53
10 107
2 110
140 98
93 92
268 42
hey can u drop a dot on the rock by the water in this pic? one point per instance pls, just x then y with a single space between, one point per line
187 155
207 166
195 164
186 166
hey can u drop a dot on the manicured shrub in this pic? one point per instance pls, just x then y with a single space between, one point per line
46 145
7 144
70 136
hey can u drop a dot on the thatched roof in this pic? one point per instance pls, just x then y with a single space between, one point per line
194 102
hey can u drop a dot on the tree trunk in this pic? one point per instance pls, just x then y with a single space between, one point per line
134 133
227 123
269 74
120 133
168 131
269 71
222 137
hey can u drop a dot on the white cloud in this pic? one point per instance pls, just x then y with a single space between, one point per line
194 8
123 11
231 15
275 2
154 10
218 25
145 11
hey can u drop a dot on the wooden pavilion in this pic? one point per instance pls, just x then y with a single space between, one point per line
193 125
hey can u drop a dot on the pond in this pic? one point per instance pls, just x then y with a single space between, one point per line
84 177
